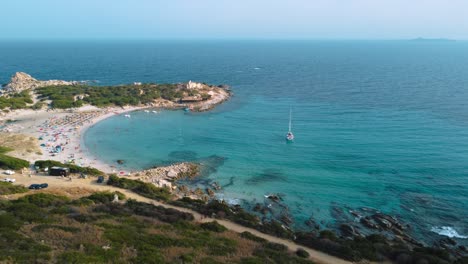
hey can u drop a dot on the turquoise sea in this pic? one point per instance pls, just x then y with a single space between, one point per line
378 124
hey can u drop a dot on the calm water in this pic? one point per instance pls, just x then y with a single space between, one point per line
378 124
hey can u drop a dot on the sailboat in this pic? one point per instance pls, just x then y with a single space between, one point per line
289 135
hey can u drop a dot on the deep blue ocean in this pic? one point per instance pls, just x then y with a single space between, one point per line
378 124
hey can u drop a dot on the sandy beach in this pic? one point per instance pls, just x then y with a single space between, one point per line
59 133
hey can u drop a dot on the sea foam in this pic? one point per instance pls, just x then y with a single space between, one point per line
447 231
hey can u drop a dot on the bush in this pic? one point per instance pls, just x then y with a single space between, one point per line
147 190
105 197
252 237
187 202
300 252
43 199
158 212
9 188
11 163
4 149
16 101
40 228
214 227
276 247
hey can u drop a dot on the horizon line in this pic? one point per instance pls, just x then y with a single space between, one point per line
442 39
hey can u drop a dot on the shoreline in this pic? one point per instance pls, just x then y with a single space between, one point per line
51 128
32 124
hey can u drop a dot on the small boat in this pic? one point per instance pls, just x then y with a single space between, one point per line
155 112
128 116
146 111
186 109
289 135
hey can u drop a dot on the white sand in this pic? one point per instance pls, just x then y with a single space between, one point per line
57 129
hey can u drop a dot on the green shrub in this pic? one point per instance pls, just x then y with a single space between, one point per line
63 96
213 226
158 212
187 202
16 248
252 237
16 101
276 247
40 228
222 247
300 252
28 212
269 255
79 258
4 150
9 188
8 221
327 234
147 190
43 199
11 163
105 197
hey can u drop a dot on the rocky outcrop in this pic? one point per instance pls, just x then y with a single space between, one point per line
164 176
21 81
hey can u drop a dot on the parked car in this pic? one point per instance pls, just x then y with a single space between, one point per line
9 172
34 186
100 179
38 186
9 180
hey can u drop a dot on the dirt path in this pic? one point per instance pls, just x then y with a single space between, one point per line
82 187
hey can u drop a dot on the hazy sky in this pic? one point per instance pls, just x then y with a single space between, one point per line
317 19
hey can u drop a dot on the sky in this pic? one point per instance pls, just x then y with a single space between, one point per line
285 19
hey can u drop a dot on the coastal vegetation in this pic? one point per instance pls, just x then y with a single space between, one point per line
145 189
49 228
14 101
101 96
42 164
11 163
221 210
9 188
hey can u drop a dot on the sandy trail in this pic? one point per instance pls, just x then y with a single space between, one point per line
61 185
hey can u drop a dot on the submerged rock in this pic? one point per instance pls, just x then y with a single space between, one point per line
367 222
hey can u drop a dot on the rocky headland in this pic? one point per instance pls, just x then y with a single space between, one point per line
21 81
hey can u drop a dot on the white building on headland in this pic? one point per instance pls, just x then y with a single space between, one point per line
194 85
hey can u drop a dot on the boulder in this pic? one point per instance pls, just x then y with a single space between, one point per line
366 221
172 173
349 231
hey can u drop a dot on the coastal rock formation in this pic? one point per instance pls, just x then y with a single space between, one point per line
21 81
164 176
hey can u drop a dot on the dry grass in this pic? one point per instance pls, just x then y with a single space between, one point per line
22 145
244 246
71 192
63 240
